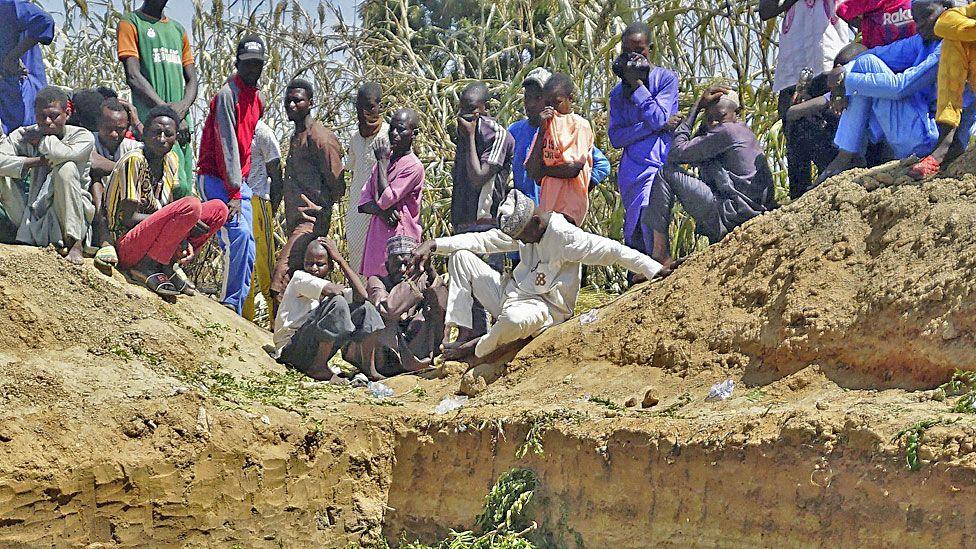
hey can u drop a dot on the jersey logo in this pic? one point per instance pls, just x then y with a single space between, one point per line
151 33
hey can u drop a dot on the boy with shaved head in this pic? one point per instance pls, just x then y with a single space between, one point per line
392 195
734 183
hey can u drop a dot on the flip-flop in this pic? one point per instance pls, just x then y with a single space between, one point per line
158 283
926 167
106 258
182 285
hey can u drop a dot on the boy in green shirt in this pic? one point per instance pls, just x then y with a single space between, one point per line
155 53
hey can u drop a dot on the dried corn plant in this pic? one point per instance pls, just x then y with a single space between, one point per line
424 52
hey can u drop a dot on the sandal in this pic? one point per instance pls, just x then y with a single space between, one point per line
158 283
106 258
927 167
182 285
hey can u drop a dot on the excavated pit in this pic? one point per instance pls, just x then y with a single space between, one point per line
127 421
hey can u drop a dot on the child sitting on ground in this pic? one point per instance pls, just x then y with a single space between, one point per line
318 317
560 157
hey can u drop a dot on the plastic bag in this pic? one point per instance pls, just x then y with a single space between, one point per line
379 389
588 317
450 403
721 391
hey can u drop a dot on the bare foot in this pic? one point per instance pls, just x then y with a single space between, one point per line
76 254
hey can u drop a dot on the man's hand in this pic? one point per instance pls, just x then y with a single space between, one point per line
330 247
547 113
673 123
233 209
835 77
33 135
381 150
391 217
199 229
310 210
421 255
183 136
465 127
187 253
13 66
36 162
713 93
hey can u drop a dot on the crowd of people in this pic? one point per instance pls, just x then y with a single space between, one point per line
93 174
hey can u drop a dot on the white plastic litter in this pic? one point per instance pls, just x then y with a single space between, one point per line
721 391
450 403
379 389
359 380
588 317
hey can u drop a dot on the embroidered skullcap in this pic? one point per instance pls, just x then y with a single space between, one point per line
514 213
400 244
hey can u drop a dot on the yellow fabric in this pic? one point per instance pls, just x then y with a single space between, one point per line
126 185
265 257
957 63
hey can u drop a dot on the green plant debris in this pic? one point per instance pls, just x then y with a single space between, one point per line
672 410
962 383
503 522
913 439
289 390
604 402
755 395
542 423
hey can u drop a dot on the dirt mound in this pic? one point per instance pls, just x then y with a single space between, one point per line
128 421
870 276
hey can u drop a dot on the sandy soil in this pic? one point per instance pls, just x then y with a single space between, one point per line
129 421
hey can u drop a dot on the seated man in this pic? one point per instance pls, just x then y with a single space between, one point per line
412 308
734 183
55 158
316 317
111 144
891 93
542 290
152 229
957 28
812 121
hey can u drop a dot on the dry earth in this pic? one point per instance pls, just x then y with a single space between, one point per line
127 421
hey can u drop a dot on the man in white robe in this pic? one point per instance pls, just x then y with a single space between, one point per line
542 290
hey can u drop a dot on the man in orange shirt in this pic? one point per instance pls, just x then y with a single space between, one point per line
561 157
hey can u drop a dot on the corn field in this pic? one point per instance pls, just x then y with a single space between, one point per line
423 52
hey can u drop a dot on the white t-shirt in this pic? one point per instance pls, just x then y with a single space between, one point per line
810 36
264 149
124 147
301 297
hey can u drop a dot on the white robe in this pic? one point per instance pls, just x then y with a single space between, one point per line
360 166
542 290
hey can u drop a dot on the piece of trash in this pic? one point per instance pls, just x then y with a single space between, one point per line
721 391
266 420
588 317
379 389
359 380
450 403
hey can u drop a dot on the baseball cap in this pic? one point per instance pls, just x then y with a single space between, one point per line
251 47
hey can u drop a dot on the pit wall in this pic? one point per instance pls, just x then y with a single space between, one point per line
308 492
635 491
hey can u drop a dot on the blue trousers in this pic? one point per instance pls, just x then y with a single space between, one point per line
236 239
17 101
905 124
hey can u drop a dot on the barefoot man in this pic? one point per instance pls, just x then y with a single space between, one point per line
542 290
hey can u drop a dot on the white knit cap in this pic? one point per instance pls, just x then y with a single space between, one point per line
538 75
515 213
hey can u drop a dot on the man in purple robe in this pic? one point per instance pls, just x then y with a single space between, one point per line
641 108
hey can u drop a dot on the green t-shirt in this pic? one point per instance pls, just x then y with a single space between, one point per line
160 47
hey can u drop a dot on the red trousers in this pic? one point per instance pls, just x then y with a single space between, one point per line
160 235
